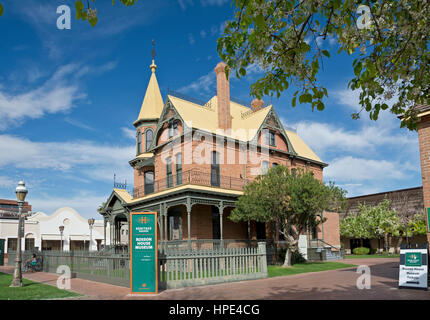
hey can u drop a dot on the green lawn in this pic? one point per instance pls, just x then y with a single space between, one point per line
30 290
278 271
366 256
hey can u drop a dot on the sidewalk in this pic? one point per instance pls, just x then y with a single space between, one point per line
332 284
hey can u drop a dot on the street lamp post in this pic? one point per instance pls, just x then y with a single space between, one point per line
61 232
21 191
91 224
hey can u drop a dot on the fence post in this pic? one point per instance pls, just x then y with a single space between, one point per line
262 256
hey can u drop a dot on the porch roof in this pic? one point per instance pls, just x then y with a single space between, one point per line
128 199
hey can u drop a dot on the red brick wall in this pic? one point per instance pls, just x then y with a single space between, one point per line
424 142
331 229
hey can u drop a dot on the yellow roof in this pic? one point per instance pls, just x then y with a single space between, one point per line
145 155
123 194
152 104
301 147
244 122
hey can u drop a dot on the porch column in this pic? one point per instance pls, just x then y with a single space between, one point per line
104 230
165 225
112 231
189 222
160 225
221 211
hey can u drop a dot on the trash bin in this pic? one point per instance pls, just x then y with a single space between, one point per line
1 252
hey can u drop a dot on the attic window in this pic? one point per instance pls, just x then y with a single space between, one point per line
270 138
172 129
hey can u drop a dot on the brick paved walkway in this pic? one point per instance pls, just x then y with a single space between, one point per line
332 284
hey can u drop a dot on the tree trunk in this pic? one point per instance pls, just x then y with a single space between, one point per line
386 242
287 261
399 243
361 242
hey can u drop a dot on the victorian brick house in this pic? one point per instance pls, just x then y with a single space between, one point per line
193 160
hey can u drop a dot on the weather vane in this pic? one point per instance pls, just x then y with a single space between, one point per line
153 49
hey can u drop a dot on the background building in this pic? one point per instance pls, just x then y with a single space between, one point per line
407 202
9 209
42 232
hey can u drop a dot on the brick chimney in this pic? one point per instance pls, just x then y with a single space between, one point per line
223 97
257 104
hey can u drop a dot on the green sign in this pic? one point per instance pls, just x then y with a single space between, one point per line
413 259
428 219
143 253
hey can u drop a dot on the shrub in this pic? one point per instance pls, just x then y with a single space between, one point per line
296 256
373 251
361 251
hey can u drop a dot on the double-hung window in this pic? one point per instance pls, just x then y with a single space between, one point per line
149 135
149 182
169 176
178 162
215 173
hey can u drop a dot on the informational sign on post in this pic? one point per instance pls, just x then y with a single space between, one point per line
413 268
143 253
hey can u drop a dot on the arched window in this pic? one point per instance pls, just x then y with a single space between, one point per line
274 164
139 142
215 176
149 182
149 135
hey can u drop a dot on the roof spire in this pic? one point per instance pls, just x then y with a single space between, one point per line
153 66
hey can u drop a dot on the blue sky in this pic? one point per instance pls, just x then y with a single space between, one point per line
68 99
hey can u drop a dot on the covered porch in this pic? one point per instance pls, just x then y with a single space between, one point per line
186 218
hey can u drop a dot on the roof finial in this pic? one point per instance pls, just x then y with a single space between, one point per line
153 66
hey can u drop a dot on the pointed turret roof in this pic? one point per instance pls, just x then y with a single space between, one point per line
152 104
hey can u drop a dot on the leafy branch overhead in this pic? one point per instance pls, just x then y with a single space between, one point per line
287 38
90 14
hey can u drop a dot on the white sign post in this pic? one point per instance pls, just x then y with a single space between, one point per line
413 268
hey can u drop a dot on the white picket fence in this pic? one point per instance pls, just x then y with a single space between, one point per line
200 267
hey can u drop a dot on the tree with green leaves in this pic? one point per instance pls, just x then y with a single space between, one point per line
291 201
388 38
87 11
383 222
418 225
355 226
370 222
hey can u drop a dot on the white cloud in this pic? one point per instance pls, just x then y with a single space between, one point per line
324 137
84 203
129 133
86 156
206 3
203 33
57 94
184 3
78 124
7 181
205 84
218 30
191 39
348 168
